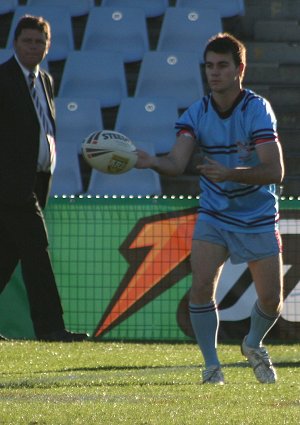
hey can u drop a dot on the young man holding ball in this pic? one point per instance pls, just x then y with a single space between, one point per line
236 130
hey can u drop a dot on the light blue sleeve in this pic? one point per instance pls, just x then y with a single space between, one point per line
261 121
190 118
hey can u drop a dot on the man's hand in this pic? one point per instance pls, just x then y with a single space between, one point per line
144 160
213 170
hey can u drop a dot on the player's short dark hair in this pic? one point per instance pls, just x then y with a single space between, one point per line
35 23
227 43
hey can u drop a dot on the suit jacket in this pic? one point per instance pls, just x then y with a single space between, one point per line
20 137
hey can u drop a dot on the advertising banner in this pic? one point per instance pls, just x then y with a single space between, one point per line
123 271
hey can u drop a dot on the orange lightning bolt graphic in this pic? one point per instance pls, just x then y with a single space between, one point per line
167 244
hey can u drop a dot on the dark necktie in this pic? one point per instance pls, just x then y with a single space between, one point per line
46 125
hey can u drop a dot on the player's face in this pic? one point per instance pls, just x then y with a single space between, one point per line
221 72
31 47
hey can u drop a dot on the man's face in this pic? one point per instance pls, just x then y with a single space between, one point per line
221 72
31 47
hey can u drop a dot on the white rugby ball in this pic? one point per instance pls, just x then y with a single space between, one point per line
109 151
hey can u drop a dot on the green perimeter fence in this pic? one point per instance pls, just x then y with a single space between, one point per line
123 271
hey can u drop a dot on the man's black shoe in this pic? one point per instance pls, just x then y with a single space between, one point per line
63 336
2 338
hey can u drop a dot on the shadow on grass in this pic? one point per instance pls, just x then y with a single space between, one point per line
165 367
66 378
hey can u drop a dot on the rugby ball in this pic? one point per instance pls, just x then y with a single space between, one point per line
109 151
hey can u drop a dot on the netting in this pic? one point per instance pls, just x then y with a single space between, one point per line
122 266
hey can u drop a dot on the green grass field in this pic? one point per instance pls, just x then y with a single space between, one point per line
141 384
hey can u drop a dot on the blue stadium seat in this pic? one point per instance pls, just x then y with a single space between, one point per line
122 30
67 176
75 7
99 75
227 8
45 65
148 120
152 8
170 74
76 118
135 182
8 6
187 29
5 54
62 41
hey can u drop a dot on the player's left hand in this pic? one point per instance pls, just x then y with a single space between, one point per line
213 170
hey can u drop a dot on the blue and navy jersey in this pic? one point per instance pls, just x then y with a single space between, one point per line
231 139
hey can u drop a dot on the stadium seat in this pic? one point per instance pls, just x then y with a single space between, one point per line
8 6
187 29
135 182
75 7
76 118
122 30
45 65
62 41
227 8
67 176
99 75
149 120
170 74
152 8
5 54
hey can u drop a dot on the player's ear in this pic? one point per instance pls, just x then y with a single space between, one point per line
241 69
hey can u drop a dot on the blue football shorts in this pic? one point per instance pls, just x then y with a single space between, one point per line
242 247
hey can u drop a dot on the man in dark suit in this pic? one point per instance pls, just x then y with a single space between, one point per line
27 160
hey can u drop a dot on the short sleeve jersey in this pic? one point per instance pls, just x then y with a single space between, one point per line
232 139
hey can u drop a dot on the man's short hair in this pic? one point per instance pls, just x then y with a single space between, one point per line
35 23
227 43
